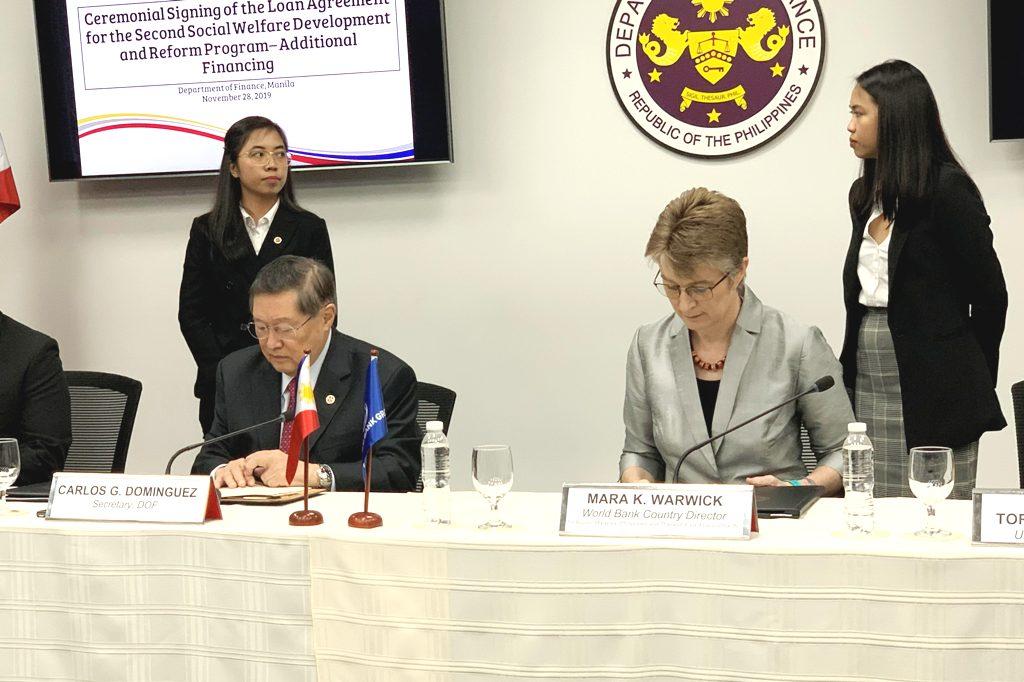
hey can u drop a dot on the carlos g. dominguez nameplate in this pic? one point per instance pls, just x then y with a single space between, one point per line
124 497
998 516
658 510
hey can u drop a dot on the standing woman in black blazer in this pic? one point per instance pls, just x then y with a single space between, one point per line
254 220
924 292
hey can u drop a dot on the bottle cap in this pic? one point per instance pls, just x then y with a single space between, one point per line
857 427
435 426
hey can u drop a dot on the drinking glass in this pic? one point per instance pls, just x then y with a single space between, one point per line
492 478
931 481
10 467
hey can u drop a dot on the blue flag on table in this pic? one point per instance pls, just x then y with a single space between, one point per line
375 418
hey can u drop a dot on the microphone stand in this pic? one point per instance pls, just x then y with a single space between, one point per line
276 420
823 384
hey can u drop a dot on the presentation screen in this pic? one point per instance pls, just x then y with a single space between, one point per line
149 87
1006 64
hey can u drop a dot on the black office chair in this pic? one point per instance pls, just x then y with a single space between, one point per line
1017 393
103 408
807 455
433 403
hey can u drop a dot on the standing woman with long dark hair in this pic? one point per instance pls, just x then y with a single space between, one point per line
924 291
253 221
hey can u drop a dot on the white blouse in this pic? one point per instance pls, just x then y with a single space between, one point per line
258 229
873 268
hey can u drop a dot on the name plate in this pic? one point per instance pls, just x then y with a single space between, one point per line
126 497
998 516
658 510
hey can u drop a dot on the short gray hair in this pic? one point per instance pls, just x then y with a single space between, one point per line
311 280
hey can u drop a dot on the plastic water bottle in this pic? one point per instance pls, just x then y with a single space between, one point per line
859 479
437 494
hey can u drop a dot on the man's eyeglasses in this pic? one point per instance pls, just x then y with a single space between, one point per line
695 292
282 331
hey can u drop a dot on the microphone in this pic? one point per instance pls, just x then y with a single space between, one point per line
823 384
287 415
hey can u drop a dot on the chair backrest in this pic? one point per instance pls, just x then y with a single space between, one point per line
433 403
103 408
1017 392
807 455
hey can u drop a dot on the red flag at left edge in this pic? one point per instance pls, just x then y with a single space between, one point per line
9 202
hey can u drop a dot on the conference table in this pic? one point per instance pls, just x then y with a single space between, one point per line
251 598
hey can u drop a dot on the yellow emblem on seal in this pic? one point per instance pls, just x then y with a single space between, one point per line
712 8
713 52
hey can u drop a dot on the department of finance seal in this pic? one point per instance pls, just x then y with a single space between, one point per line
714 77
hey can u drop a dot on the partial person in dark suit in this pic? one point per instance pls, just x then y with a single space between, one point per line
294 304
924 292
35 408
254 220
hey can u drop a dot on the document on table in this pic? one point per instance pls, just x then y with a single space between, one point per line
261 494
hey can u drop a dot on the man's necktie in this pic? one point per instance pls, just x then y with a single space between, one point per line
286 430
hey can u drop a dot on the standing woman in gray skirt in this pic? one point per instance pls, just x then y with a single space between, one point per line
924 292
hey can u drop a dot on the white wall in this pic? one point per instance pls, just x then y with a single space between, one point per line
515 275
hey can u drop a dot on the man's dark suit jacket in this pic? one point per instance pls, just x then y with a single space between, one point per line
213 303
35 407
947 310
249 392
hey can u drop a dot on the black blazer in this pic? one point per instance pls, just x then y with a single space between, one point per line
213 302
947 310
35 407
249 391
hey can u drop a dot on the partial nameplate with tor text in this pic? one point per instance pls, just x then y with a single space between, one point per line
126 497
658 510
998 516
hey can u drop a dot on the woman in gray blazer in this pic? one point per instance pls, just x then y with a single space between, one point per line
721 358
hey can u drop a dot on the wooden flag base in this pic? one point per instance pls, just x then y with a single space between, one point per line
305 517
365 519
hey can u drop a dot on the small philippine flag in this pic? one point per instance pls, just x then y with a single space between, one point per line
306 419
9 202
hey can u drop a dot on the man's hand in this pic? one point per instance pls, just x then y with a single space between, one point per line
269 466
234 474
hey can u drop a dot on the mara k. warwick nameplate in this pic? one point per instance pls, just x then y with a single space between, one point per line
658 510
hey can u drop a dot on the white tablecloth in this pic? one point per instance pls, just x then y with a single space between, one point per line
250 598
136 602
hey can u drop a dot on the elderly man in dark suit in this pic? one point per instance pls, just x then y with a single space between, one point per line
294 304
35 408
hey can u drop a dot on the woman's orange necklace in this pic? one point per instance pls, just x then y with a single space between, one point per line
707 366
